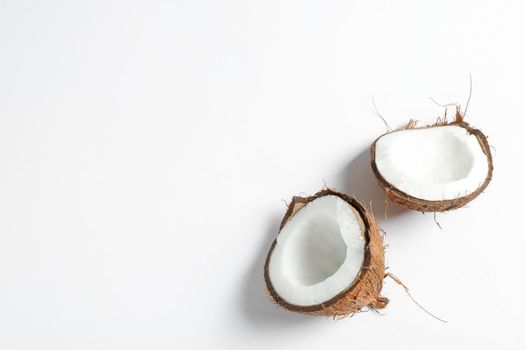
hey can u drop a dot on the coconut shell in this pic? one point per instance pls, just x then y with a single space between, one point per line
365 289
410 202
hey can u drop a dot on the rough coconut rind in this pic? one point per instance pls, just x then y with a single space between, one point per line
422 205
365 290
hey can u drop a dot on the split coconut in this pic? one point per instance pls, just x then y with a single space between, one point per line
328 258
433 168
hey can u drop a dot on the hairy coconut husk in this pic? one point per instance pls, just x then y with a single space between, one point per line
364 291
422 205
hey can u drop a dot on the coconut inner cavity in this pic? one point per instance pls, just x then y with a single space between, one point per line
319 252
316 253
437 163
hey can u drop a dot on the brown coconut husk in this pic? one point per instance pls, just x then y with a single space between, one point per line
364 291
422 205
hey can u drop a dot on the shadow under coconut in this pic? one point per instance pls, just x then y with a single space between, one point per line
358 180
255 302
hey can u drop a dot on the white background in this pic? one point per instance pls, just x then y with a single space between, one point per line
146 148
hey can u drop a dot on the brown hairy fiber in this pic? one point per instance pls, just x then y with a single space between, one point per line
422 205
364 291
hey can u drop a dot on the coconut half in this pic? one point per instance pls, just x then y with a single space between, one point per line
434 168
328 258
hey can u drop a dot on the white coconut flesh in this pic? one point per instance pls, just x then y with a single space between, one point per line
434 164
319 252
